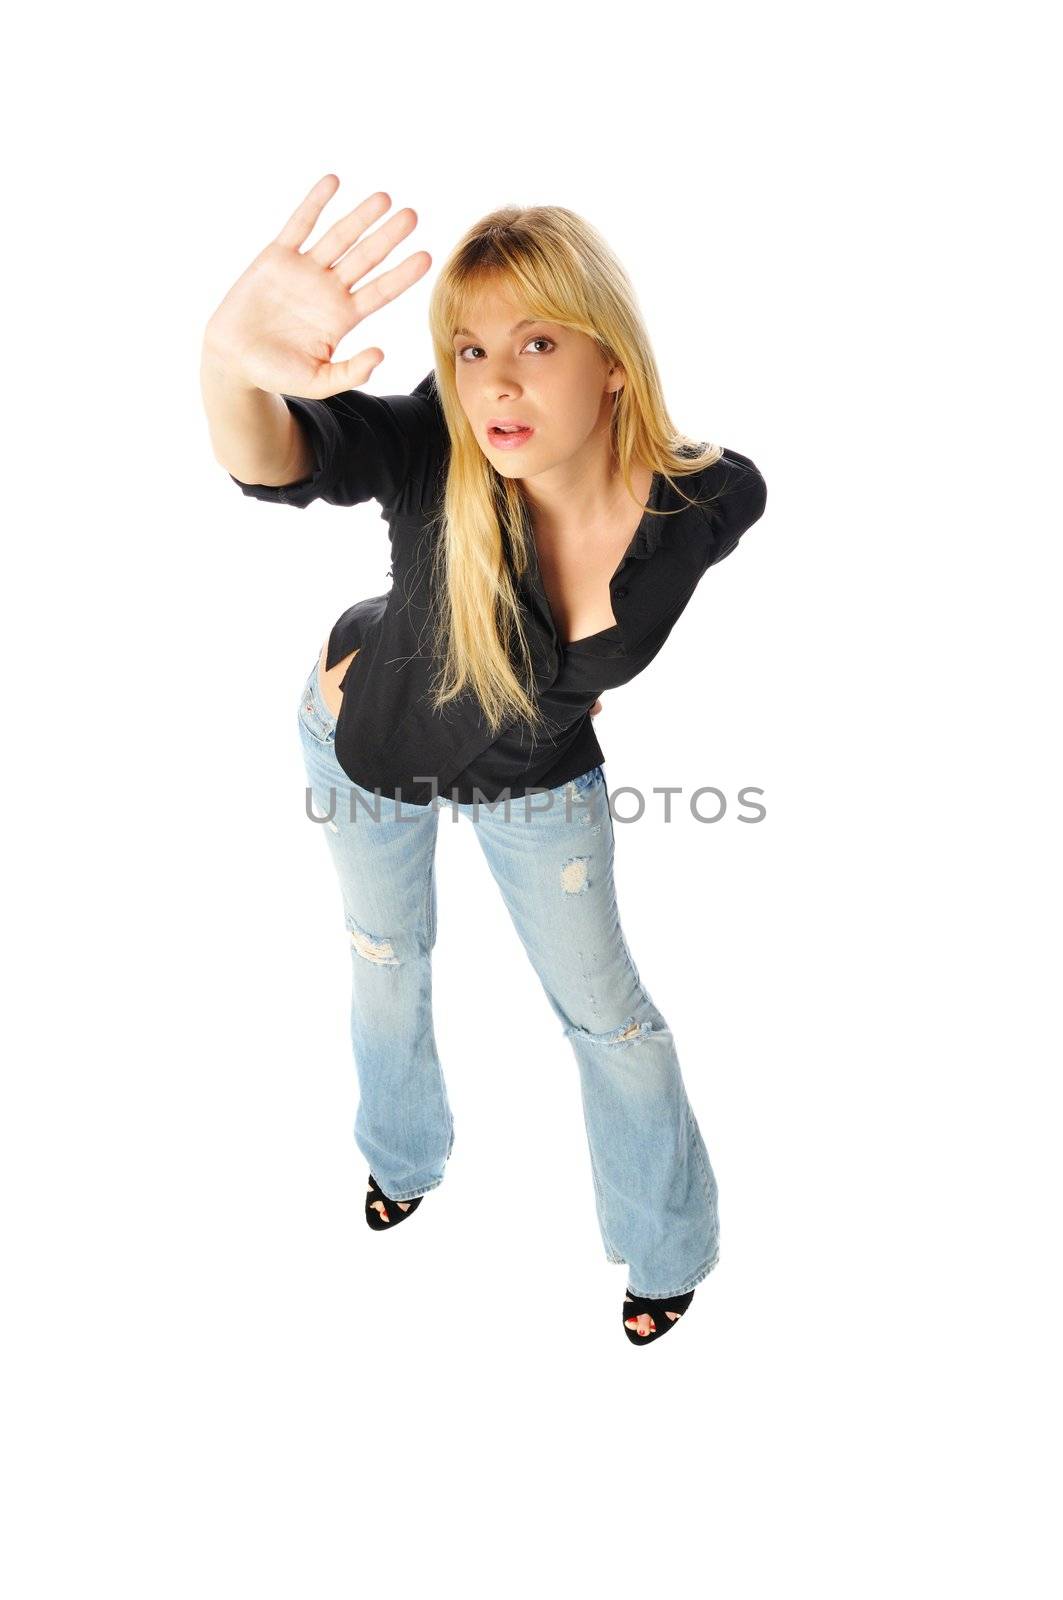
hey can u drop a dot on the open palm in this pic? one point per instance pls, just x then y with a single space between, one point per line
279 324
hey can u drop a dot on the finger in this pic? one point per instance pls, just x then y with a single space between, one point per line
335 377
300 224
347 229
371 296
595 708
367 253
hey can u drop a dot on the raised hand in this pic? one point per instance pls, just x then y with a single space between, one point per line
279 324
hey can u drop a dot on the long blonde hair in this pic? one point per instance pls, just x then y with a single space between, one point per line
560 268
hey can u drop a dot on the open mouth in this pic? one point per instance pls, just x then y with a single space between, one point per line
508 436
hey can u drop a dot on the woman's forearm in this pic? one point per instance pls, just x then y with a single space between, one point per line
253 434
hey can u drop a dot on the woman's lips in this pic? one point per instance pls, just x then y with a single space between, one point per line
508 441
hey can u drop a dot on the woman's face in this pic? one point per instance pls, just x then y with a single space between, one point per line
510 367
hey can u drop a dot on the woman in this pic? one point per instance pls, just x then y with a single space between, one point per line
548 525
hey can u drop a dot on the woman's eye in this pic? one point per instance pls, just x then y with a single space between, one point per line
538 338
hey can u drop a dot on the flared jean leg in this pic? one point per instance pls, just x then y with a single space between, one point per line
385 865
655 1191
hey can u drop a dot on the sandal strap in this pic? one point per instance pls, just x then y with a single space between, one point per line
636 1304
390 1206
377 1193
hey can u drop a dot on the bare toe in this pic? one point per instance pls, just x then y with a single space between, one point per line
643 1323
378 1205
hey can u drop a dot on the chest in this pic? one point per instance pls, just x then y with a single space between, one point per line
577 576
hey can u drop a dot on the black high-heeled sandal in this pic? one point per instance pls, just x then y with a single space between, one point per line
636 1304
394 1211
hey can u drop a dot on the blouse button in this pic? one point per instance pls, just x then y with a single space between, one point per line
619 593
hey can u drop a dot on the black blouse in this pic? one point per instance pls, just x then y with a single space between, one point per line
394 449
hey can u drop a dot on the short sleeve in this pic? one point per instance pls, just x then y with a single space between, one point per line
387 448
736 498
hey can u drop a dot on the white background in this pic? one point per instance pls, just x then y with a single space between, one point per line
218 1381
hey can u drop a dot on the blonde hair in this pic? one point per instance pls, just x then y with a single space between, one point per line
560 268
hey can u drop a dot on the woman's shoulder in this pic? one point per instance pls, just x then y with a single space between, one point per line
732 477
730 495
427 440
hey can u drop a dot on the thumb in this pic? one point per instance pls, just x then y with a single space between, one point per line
336 376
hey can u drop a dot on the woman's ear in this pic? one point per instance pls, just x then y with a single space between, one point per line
615 379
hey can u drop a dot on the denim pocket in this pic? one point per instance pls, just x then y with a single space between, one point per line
314 714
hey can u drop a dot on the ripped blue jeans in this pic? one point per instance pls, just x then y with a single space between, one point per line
654 1186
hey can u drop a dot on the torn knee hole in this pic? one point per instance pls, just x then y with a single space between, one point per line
574 875
631 1031
381 952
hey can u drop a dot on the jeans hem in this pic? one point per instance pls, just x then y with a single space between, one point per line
668 1294
412 1194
